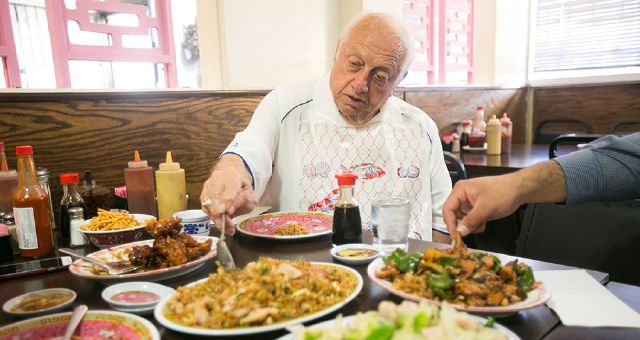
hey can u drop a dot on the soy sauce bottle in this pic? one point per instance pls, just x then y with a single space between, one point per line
347 226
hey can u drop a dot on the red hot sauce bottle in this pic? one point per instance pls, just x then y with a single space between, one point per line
347 225
31 209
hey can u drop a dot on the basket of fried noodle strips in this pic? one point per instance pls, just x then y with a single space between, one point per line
458 276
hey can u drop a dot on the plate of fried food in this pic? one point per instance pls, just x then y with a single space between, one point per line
290 225
266 295
408 320
471 281
170 253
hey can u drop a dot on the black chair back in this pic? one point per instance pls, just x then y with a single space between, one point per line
570 138
455 166
626 126
549 129
603 236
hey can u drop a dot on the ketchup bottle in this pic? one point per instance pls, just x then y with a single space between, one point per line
347 225
31 209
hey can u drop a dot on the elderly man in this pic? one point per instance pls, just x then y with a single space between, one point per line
303 133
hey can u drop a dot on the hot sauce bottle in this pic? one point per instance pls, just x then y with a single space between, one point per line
347 225
31 209
138 178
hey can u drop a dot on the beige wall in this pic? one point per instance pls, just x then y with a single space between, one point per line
256 44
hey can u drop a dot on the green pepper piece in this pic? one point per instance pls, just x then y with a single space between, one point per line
525 279
440 281
446 261
395 256
310 335
405 264
496 264
490 322
384 332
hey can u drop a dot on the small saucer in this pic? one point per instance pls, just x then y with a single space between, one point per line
475 148
340 253
129 296
18 299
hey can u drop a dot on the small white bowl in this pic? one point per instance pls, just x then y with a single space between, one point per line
16 300
335 252
135 296
194 222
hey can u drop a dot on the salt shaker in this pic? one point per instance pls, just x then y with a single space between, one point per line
76 217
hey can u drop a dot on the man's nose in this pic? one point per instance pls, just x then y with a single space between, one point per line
360 83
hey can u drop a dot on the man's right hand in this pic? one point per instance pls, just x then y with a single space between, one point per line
229 190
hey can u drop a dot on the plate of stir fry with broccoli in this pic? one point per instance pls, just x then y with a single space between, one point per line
472 281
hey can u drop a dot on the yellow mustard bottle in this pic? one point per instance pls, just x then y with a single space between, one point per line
171 188
494 140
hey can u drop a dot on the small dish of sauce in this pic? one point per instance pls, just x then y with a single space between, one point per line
135 296
357 253
39 302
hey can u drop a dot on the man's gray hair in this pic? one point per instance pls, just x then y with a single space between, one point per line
399 26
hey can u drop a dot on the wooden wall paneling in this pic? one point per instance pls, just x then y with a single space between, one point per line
601 105
101 135
447 107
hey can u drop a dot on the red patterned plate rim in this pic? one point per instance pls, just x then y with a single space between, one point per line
76 268
149 331
325 228
535 297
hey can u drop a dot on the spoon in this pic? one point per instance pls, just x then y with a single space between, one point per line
113 268
74 321
224 254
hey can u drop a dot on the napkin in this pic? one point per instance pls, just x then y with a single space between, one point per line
580 300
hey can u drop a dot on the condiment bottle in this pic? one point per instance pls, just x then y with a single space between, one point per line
43 178
70 199
478 121
8 182
171 188
31 209
507 132
138 178
95 196
478 135
494 140
466 131
347 225
77 218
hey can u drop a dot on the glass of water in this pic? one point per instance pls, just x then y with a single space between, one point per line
390 217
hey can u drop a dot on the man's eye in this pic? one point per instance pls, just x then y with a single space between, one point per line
381 78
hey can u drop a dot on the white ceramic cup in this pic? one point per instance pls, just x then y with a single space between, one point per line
195 222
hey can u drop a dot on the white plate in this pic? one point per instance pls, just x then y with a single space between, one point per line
159 315
6 307
350 260
83 269
316 223
475 148
349 319
159 290
534 298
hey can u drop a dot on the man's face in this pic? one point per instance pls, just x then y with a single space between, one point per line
366 68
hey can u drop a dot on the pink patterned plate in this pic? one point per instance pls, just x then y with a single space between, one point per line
86 270
96 324
265 226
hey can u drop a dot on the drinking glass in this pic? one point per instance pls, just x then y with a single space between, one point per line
390 217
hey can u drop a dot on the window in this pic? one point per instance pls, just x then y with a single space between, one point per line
443 41
97 24
572 39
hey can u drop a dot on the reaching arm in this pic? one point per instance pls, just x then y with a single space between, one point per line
475 201
229 189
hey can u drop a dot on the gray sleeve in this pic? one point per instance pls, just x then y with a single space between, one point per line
607 169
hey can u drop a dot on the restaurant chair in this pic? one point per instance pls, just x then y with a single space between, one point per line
571 138
549 129
602 236
625 126
458 172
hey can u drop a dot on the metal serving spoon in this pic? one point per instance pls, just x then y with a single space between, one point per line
113 268
224 254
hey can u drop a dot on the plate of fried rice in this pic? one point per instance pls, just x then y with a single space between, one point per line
291 225
266 295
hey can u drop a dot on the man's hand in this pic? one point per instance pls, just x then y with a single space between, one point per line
475 201
229 190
